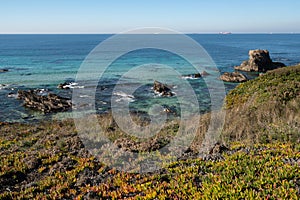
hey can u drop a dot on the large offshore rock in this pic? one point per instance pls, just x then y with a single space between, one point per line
162 89
259 61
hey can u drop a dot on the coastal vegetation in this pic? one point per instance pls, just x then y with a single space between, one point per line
261 159
265 109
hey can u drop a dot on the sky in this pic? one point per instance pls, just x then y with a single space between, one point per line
114 16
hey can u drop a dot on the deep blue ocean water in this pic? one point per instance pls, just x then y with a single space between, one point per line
44 61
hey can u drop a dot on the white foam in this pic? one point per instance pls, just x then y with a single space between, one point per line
84 96
189 78
42 92
73 85
124 97
158 94
12 96
3 86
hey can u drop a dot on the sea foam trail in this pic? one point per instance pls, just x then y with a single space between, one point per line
124 97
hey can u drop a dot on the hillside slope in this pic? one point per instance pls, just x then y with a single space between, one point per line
266 108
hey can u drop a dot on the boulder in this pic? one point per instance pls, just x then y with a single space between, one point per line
235 77
45 103
259 61
162 89
198 75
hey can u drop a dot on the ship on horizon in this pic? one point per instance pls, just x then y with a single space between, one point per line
225 33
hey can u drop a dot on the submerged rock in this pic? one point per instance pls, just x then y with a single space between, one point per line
234 77
259 61
45 103
162 89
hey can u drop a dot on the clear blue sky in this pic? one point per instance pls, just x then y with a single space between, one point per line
112 16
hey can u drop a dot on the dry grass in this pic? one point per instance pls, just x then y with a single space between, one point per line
265 109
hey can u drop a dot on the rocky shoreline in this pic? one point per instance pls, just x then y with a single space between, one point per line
45 103
259 61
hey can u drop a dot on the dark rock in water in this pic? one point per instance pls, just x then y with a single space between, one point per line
3 70
170 109
192 76
277 65
12 95
2 86
45 103
234 77
64 85
69 85
259 61
197 75
162 89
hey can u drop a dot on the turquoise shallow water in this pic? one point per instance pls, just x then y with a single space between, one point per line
44 61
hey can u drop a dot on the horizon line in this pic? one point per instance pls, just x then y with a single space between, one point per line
112 33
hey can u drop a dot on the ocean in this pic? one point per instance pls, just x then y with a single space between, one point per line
44 61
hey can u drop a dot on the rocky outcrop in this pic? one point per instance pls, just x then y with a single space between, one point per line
196 76
45 103
259 61
69 85
234 77
162 89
